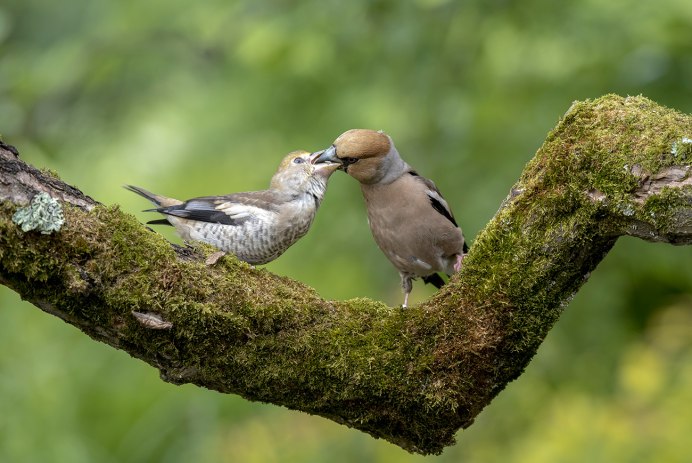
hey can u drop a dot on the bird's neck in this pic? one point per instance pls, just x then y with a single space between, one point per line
391 168
313 189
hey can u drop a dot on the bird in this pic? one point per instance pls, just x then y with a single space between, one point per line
409 219
256 226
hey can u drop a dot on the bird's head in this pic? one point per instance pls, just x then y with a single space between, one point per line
366 155
300 171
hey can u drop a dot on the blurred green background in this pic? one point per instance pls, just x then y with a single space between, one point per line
198 98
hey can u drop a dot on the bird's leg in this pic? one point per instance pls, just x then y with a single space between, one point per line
457 264
407 285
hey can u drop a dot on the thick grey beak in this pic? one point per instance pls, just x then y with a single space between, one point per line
322 165
328 155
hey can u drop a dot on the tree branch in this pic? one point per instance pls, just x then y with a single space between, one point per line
613 166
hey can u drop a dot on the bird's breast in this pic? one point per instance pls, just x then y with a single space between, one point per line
410 232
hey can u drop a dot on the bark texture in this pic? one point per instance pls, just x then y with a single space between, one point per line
613 166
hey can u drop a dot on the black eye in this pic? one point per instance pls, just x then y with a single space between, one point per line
349 161
298 161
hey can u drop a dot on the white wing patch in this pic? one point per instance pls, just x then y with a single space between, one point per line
237 211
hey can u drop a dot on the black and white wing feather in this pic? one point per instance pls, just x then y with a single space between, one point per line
437 201
233 209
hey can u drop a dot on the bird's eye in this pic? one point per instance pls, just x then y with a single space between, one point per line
349 161
298 161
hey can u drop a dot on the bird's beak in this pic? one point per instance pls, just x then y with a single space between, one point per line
323 165
327 155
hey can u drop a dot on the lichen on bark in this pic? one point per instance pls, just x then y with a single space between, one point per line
613 166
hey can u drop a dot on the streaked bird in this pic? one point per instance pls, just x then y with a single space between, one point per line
256 226
409 219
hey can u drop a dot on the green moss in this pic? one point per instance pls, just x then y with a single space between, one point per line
50 173
681 150
668 210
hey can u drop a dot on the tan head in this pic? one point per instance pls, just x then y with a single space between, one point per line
366 155
299 170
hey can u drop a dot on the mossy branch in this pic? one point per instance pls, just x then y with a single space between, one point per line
613 166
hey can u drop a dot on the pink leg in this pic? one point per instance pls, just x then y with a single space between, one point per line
457 265
407 286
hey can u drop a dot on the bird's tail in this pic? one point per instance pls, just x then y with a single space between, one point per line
161 201
156 199
435 279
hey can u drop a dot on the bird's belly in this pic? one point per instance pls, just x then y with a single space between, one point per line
412 250
252 242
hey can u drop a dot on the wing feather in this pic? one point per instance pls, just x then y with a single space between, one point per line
436 200
233 209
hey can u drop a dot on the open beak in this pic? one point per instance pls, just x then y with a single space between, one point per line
324 165
328 155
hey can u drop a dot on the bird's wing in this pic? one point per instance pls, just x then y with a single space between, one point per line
436 200
232 209
439 203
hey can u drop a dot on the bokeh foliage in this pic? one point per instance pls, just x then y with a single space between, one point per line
196 98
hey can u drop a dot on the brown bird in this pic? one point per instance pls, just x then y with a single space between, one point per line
256 226
409 219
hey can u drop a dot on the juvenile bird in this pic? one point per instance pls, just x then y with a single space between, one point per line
409 219
256 226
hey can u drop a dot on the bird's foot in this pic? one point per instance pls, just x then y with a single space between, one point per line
214 257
